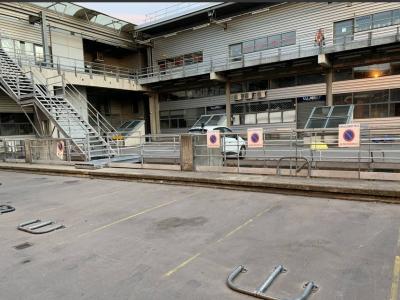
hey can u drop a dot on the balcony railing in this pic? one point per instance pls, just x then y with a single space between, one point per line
305 47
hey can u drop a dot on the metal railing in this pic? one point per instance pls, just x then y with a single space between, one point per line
304 47
318 148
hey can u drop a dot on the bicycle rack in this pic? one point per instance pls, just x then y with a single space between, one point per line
39 227
309 287
4 208
296 159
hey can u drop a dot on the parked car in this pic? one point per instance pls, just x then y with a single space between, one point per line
231 143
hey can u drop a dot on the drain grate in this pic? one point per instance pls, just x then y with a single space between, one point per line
4 208
23 246
39 227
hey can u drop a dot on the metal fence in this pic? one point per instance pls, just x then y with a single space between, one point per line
300 151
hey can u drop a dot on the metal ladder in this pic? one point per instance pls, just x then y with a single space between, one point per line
28 88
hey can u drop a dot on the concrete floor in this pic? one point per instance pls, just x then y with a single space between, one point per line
126 240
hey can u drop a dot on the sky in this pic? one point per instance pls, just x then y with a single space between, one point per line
135 12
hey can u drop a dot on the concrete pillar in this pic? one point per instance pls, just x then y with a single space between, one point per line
329 80
28 151
45 43
187 157
228 103
154 113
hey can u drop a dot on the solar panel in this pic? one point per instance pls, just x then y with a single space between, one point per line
330 116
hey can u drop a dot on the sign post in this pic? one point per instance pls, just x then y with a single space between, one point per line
213 139
349 135
255 137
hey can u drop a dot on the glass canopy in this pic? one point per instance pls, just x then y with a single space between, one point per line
71 9
330 116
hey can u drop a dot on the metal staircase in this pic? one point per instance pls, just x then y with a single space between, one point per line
51 97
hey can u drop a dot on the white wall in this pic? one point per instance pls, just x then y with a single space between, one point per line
68 47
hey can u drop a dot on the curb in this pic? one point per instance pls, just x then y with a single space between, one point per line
311 189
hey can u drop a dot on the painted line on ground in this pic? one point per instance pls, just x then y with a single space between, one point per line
128 218
223 238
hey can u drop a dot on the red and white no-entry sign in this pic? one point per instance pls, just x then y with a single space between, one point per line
213 139
349 135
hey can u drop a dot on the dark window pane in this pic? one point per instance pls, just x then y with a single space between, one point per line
164 124
335 122
341 99
382 19
286 82
363 23
236 87
248 47
261 44
274 41
310 79
394 110
343 74
316 123
361 111
289 38
379 110
372 71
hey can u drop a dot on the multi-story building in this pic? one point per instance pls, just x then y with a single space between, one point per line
262 64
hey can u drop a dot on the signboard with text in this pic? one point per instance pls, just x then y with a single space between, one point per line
349 135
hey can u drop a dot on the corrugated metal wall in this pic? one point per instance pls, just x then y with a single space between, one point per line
191 103
305 18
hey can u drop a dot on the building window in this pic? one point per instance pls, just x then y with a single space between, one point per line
343 31
378 20
261 44
264 112
135 107
372 104
15 124
367 71
363 23
235 52
270 42
382 19
248 47
187 59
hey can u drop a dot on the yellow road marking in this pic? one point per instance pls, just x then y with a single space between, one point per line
128 218
230 233
169 273
395 279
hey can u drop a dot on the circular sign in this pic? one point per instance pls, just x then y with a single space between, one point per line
213 139
255 138
348 135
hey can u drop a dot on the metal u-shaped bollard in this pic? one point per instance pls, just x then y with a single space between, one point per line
309 287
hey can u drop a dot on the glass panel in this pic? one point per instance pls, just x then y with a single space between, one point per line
235 50
341 110
214 120
7 45
394 110
335 122
250 119
262 118
361 111
274 41
248 46
343 31
310 79
261 44
382 19
379 110
39 53
316 123
343 74
289 38
321 112
396 17
275 117
237 87
342 99
363 23
28 49
289 116
236 120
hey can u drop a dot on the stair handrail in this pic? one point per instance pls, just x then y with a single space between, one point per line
93 113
